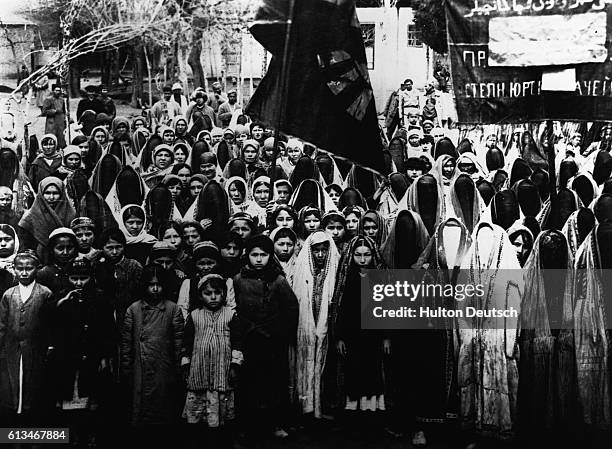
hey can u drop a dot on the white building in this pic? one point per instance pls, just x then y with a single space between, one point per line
394 50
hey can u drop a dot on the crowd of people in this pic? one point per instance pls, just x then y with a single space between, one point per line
153 275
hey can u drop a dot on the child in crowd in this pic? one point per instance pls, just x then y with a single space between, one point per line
24 345
210 357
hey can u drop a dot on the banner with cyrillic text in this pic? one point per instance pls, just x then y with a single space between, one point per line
506 57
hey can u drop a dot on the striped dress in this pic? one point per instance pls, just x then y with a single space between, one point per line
210 398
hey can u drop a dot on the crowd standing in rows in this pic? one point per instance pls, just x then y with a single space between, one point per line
152 274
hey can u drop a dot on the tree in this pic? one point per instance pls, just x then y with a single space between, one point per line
430 19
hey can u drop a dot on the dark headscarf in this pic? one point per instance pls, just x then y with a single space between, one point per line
158 207
567 170
199 148
445 146
583 186
528 197
530 152
520 170
351 197
410 239
146 158
398 184
308 193
93 206
504 209
41 219
325 165
105 173
603 208
9 167
465 193
465 146
603 167
486 189
129 186
494 159
213 203
540 179
235 167
305 168
585 222
566 200
428 197
224 153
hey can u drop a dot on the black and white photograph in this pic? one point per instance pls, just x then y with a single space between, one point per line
306 224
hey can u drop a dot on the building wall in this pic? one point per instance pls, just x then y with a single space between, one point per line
394 59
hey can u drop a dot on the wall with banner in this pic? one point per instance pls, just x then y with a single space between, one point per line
522 60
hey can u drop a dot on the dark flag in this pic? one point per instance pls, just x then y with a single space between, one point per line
329 100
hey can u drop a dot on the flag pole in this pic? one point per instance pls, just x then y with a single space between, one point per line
282 99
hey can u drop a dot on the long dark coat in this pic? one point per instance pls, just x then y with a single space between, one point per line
151 339
84 333
24 333
267 312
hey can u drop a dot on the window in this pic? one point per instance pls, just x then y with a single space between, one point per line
368 32
414 37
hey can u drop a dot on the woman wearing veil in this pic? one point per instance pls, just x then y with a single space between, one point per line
487 368
104 174
159 207
313 283
578 225
424 196
305 168
51 210
310 193
393 193
405 243
213 210
467 205
591 335
328 169
547 368
360 353
128 188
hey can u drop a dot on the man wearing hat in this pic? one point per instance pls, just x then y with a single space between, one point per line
89 103
55 111
178 98
200 105
164 110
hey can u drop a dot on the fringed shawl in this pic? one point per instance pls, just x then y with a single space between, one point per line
312 336
592 344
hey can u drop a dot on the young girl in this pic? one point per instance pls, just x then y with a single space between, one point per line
267 312
151 340
361 351
139 241
24 345
211 356
62 250
206 258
